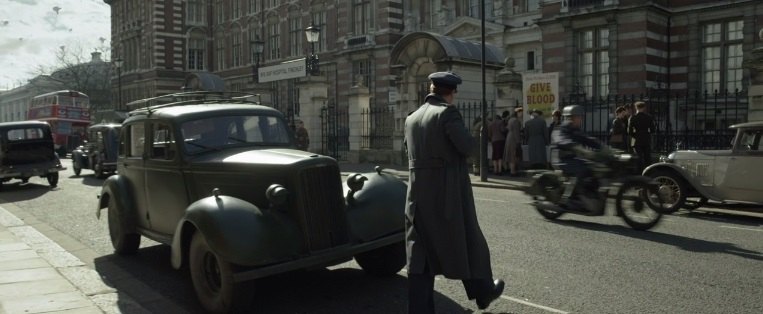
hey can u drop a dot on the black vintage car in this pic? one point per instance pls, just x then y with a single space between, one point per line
26 150
99 152
220 180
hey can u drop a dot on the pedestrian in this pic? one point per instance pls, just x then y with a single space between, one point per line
512 151
443 236
619 129
537 139
640 129
303 138
556 121
497 135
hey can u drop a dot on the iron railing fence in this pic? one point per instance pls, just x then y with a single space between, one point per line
335 132
682 121
378 128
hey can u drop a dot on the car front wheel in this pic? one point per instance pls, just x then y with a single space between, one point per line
384 261
213 280
672 189
124 242
52 179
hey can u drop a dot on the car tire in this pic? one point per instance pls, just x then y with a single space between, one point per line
52 179
213 280
124 242
384 261
76 167
673 188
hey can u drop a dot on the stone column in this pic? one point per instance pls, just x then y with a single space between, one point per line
755 94
508 86
359 99
313 92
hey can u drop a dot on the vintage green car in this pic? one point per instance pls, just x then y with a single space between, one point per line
99 152
219 180
26 150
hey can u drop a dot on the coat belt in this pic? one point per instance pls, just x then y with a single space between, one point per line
426 163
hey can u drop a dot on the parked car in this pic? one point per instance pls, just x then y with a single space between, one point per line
728 176
26 150
222 183
99 152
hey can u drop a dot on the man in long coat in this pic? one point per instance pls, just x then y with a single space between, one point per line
640 128
537 139
442 232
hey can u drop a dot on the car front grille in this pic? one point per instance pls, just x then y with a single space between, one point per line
323 218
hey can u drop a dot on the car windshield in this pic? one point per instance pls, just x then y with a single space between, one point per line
217 133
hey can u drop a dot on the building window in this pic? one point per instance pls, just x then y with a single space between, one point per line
593 62
362 73
472 9
196 48
362 16
293 98
235 8
722 56
255 6
220 14
237 49
195 12
220 52
531 60
269 4
319 20
296 36
274 42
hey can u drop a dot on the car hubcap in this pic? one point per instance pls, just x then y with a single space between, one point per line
669 190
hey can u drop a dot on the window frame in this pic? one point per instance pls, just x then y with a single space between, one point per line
599 83
722 44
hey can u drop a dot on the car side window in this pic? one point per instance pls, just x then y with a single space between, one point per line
163 144
137 140
750 141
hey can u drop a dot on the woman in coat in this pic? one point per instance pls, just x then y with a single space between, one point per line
514 141
537 139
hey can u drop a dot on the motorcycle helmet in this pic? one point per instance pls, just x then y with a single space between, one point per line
573 110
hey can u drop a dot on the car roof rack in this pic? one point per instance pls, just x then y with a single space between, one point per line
148 105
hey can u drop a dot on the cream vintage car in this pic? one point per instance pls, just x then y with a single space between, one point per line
689 178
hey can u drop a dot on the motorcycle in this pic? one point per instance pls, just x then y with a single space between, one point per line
613 171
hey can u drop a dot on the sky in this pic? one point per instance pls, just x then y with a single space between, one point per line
32 31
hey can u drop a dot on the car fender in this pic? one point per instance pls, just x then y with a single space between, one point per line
702 190
238 232
116 186
378 208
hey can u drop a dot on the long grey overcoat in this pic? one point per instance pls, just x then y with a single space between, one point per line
441 222
537 139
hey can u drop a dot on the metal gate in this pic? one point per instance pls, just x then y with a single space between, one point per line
335 132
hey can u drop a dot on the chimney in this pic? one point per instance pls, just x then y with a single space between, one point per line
95 56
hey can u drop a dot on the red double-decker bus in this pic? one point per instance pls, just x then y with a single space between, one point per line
67 112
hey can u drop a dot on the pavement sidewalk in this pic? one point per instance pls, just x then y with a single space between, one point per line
493 181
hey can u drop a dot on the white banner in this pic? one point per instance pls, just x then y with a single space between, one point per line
285 70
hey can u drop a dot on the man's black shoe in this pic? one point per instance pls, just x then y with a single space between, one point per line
484 301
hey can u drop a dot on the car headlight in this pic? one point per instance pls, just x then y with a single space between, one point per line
668 158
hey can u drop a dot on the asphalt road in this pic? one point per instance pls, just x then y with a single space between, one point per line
698 262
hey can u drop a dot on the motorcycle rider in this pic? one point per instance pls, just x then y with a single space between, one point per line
572 142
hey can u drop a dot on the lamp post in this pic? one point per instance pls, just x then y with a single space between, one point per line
257 46
313 33
118 64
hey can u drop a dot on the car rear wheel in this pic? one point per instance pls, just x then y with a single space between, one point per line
52 179
384 261
124 242
213 280
672 190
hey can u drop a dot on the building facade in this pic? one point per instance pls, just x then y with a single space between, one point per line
599 48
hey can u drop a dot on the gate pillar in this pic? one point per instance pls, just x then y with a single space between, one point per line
313 92
359 99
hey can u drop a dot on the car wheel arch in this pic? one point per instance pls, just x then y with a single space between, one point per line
115 187
237 242
692 187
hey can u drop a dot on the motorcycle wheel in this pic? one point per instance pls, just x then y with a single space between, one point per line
632 206
552 192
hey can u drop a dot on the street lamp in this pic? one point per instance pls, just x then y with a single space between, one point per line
313 33
257 46
118 64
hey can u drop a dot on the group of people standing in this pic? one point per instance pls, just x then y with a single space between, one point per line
506 134
633 133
